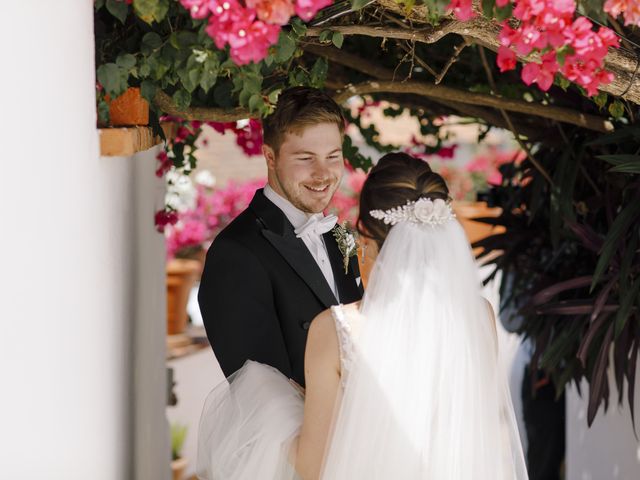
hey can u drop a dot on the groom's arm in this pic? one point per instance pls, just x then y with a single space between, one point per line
236 301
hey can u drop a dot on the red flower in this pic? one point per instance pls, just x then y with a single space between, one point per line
164 218
506 59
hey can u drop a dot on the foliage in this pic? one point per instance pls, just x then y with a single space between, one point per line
178 436
571 259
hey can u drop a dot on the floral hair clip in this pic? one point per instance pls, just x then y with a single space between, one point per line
423 210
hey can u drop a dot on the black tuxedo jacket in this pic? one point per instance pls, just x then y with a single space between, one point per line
261 288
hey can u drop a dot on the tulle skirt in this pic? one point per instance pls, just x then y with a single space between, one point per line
248 426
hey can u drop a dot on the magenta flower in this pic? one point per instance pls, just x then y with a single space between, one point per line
462 9
163 218
307 9
506 59
542 74
197 8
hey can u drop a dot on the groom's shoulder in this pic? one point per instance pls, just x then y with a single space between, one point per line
245 226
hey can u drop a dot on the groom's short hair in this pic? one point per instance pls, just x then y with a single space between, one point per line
298 108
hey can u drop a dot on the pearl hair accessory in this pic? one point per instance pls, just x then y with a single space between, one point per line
423 210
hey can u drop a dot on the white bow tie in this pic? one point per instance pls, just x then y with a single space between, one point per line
317 225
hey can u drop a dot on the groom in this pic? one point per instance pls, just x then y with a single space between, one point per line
278 265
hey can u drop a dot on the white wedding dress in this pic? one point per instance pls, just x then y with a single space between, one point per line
422 396
248 424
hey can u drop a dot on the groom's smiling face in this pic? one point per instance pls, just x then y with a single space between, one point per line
308 167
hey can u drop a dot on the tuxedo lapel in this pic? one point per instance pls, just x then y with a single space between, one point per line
348 289
280 233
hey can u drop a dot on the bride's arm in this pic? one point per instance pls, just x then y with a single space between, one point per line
322 377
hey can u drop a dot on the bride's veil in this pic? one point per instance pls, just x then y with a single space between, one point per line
424 398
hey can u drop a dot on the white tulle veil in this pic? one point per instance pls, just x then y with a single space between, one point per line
425 399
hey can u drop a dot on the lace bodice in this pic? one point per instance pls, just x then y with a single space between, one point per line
345 341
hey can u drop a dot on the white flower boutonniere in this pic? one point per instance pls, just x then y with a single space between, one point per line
346 243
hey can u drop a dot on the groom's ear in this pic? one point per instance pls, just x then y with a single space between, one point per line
270 156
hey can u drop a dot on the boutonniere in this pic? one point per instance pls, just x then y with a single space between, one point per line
346 243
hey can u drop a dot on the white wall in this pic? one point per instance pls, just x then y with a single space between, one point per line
70 269
608 450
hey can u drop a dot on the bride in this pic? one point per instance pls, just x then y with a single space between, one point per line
404 385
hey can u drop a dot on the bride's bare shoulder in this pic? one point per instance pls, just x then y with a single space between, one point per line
322 342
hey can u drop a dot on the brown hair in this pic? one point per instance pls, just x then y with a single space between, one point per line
396 179
297 108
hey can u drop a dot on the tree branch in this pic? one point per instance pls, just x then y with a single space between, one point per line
341 57
484 31
440 92
166 104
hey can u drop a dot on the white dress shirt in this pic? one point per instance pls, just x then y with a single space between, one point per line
314 243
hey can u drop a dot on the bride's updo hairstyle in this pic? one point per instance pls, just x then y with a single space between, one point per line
396 179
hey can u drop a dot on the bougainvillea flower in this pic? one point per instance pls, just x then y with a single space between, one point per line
307 9
164 218
277 12
462 9
197 8
506 59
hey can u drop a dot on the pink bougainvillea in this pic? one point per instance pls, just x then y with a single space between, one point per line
214 209
562 43
251 27
462 9
630 10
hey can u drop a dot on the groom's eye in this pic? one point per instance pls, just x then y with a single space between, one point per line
304 158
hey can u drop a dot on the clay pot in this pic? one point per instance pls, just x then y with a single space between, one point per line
178 466
129 108
181 275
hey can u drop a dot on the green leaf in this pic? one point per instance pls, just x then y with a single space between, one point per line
144 70
254 102
616 109
632 167
358 4
337 39
98 4
299 28
192 80
601 99
182 98
152 41
126 61
151 10
502 13
619 159
325 36
173 41
208 79
148 90
109 76
487 8
285 48
319 72
617 230
625 306
273 96
118 9
622 134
